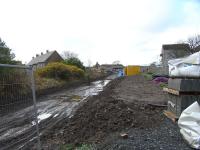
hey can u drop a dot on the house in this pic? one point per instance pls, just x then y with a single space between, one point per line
172 51
42 60
111 67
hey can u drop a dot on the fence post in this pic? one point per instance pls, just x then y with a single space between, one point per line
35 107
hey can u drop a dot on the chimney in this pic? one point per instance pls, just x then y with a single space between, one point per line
33 57
41 53
37 55
47 51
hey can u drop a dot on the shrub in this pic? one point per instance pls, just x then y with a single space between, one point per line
76 72
75 62
60 71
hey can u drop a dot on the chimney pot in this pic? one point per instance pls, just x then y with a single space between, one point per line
37 55
41 53
47 51
33 57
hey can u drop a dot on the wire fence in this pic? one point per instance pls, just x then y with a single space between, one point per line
17 93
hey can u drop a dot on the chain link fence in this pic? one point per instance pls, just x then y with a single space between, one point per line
17 101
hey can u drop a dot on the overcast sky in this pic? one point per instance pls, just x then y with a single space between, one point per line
98 30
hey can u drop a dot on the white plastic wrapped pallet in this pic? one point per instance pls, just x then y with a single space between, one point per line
189 123
185 67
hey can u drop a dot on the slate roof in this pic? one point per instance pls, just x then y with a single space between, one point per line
41 58
176 47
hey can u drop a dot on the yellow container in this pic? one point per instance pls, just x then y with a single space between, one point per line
132 70
125 71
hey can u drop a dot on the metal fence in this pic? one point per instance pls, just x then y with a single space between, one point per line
18 111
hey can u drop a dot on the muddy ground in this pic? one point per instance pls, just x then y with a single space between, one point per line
17 128
125 106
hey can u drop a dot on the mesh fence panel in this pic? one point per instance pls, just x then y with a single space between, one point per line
18 121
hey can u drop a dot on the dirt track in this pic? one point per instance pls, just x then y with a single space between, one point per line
123 107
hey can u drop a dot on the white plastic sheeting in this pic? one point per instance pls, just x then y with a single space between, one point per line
187 66
189 123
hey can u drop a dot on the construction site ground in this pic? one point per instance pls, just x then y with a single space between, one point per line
126 115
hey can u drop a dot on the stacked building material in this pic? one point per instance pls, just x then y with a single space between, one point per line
182 93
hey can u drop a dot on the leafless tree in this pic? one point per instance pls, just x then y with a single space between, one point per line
194 43
69 54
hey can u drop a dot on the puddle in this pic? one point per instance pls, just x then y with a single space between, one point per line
81 93
96 87
43 116
55 115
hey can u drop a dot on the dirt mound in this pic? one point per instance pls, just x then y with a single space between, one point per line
103 114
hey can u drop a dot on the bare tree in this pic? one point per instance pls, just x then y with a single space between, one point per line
69 54
194 43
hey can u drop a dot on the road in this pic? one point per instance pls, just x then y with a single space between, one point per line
18 129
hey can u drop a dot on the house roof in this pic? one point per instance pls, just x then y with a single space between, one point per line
111 65
41 59
175 47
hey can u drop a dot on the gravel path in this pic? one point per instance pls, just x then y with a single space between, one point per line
164 137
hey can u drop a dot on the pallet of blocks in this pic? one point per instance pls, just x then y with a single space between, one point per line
182 92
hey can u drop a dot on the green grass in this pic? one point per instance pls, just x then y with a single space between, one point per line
162 85
148 76
66 147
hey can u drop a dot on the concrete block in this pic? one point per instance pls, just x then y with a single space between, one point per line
181 102
186 85
171 104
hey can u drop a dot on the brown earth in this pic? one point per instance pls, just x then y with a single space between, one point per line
137 88
122 105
